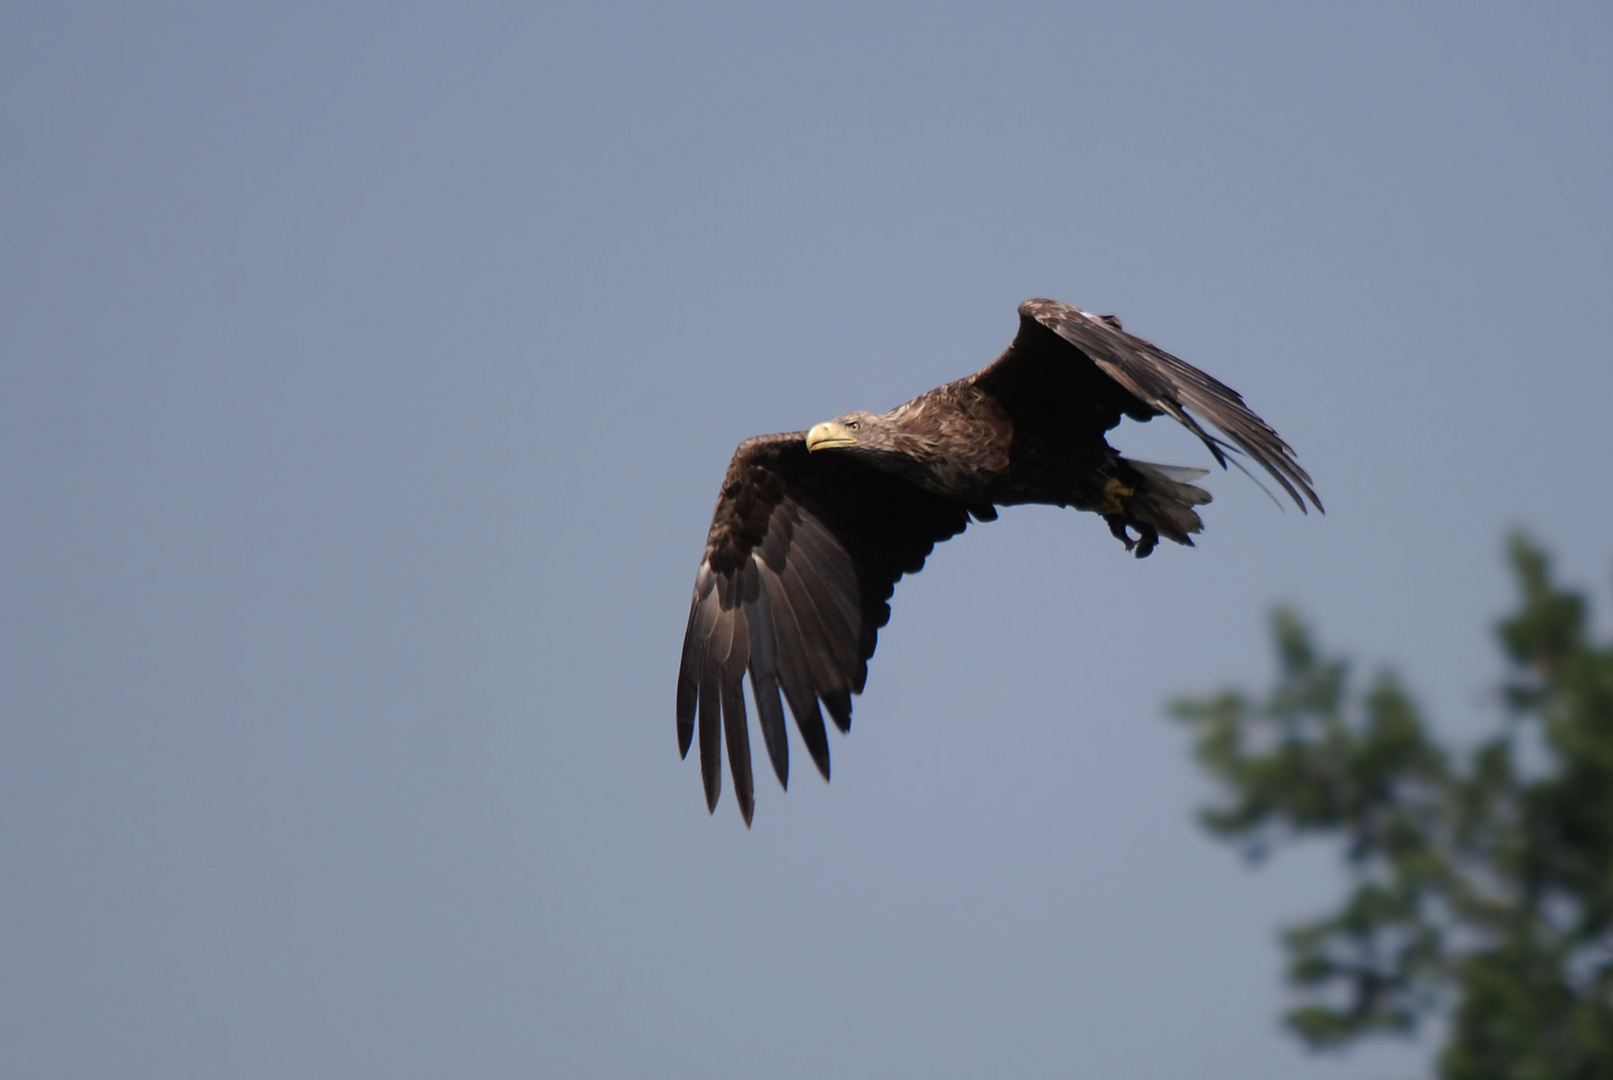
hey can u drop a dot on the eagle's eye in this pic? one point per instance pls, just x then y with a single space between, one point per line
855 425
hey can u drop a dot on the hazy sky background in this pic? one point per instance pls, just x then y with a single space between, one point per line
367 373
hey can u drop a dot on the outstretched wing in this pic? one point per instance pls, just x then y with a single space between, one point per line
803 555
1139 380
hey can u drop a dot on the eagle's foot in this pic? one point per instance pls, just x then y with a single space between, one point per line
1147 535
1115 494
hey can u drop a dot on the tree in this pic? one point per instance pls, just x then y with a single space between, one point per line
1481 879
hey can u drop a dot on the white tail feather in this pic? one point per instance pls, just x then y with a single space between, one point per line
1166 499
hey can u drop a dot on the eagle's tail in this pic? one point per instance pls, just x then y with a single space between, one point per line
1161 505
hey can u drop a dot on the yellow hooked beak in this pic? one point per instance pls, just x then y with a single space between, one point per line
830 433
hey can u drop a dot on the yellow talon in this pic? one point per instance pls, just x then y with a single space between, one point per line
1114 494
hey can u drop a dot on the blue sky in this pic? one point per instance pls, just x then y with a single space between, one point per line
368 375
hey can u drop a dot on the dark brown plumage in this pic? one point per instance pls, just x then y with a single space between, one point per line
813 529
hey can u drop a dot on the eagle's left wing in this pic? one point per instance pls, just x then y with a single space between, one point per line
1163 384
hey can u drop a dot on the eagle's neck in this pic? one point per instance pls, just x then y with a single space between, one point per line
952 440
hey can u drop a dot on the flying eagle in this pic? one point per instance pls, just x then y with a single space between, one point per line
814 528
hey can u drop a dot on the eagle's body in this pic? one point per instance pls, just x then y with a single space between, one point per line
813 529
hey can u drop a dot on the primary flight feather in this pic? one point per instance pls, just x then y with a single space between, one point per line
813 528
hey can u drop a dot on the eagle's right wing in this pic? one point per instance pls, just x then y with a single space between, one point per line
803 554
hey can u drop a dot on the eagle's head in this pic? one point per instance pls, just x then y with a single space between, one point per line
858 432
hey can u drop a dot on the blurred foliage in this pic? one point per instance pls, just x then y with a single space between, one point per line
1480 879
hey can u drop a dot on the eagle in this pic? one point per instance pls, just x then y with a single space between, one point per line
814 528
